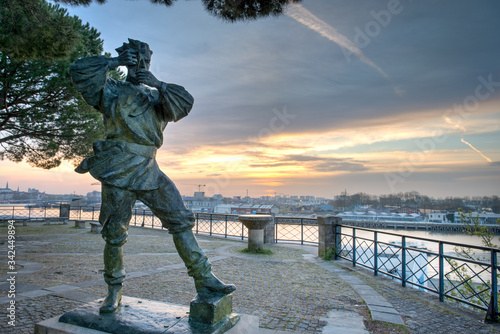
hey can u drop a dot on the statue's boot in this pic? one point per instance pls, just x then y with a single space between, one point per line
114 274
113 299
198 265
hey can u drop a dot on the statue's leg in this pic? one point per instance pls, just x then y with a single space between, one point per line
198 265
166 203
116 211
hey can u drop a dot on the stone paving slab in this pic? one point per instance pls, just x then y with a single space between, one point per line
35 293
62 288
393 317
76 295
345 322
21 287
376 308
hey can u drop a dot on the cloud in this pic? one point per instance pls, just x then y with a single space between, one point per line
305 17
313 164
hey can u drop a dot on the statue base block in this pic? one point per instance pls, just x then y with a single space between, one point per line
140 316
210 310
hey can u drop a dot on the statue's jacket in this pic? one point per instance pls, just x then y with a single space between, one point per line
134 119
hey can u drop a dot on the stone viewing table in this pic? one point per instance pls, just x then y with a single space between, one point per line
255 225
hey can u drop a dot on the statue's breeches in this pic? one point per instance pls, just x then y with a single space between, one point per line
116 213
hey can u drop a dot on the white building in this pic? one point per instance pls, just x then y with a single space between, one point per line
483 218
6 194
438 217
382 217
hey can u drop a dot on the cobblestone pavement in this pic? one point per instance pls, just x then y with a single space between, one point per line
288 290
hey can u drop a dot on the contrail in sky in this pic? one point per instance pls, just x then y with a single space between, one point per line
475 149
455 124
302 15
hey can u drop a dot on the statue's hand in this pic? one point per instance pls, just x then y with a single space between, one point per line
147 78
127 58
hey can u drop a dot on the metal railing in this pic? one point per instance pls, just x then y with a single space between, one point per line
461 272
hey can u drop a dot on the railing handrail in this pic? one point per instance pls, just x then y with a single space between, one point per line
424 239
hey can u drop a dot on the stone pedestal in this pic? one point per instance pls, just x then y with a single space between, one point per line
80 223
212 313
95 227
140 316
255 225
327 234
64 210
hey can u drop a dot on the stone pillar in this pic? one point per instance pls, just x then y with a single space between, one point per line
255 239
64 211
327 234
269 231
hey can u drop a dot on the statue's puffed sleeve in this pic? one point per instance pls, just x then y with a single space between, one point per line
89 76
175 102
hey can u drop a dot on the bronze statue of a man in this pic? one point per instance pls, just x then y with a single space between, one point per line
135 113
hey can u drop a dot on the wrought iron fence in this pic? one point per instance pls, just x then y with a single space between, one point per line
463 273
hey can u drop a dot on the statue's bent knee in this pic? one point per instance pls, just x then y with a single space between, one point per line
122 239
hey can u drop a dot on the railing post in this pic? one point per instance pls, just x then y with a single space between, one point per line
13 214
80 213
211 222
275 231
242 231
135 217
225 228
143 218
327 235
441 272
494 284
337 237
29 212
93 209
354 247
403 261
45 213
375 253
197 219
301 231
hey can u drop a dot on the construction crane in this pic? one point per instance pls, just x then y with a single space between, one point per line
198 185
96 184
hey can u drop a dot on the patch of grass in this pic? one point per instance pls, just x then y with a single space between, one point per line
259 251
375 326
330 254
380 327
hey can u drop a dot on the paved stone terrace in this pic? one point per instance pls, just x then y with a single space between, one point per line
290 291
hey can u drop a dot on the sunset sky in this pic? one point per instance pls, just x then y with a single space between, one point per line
369 96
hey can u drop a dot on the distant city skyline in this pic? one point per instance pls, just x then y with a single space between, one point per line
374 97
297 196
